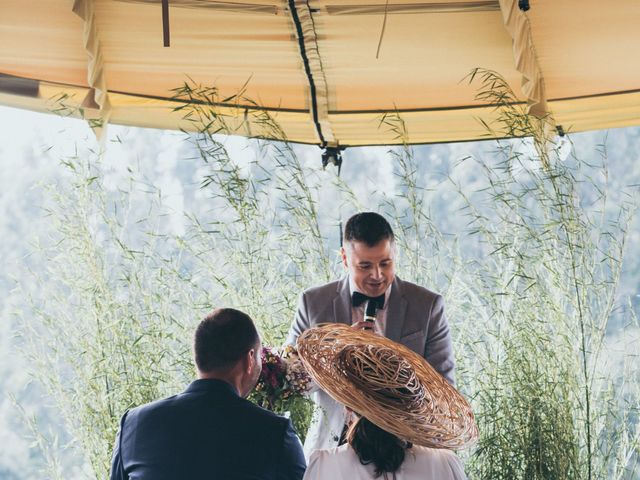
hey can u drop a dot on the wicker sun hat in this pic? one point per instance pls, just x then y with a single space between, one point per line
389 384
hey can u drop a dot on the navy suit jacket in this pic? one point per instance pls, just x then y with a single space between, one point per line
206 432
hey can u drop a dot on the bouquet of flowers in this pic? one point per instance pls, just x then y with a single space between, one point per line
283 381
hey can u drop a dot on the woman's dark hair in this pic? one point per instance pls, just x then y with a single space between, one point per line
375 445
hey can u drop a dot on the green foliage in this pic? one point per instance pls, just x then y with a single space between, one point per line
267 244
528 312
545 293
111 334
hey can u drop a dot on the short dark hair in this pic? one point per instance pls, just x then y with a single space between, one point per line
222 338
369 228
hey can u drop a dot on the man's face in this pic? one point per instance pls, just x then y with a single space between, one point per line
372 269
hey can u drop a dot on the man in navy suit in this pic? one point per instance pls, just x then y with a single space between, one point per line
210 431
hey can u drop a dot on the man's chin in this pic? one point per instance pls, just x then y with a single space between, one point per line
376 291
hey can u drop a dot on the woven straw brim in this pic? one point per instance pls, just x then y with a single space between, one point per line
389 384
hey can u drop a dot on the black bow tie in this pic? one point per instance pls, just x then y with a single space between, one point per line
358 299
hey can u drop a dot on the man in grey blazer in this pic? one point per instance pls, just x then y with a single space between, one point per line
407 313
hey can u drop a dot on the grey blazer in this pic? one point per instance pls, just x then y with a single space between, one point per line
415 318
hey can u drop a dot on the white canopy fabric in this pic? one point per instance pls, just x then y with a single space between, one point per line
326 70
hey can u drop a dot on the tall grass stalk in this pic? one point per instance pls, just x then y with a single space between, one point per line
110 333
554 257
529 288
268 243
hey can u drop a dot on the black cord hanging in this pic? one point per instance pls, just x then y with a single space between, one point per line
333 156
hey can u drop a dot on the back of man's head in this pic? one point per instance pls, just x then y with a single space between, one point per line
222 338
369 228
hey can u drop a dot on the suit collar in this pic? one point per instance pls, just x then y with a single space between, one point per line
211 385
342 302
396 311
352 288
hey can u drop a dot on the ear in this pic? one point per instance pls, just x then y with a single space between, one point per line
343 254
250 360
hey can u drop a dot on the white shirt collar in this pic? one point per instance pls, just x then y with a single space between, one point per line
352 288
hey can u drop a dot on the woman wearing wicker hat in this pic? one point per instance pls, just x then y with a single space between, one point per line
408 416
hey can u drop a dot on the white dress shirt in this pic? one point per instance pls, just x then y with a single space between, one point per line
357 313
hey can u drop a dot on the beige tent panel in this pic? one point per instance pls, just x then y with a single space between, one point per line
155 113
326 71
38 41
213 47
588 47
613 111
423 59
423 127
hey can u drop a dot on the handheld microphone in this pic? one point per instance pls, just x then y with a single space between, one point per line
370 313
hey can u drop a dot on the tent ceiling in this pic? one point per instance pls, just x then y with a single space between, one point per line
315 64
